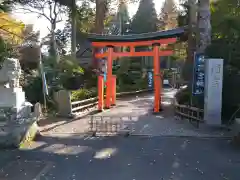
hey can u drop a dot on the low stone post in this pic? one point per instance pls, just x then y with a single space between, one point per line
64 106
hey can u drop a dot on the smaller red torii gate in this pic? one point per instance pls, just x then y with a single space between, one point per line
133 41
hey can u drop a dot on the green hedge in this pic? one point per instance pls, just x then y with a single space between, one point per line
83 94
89 93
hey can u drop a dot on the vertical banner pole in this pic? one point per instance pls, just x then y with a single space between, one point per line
100 92
156 78
109 78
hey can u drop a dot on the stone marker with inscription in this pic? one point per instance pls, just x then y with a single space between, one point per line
213 91
16 120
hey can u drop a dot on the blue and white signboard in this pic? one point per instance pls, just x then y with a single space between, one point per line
150 79
198 74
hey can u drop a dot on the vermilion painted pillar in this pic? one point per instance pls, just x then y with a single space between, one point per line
113 103
160 85
156 77
109 78
100 92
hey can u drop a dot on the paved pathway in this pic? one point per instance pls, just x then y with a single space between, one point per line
118 158
163 124
62 153
144 122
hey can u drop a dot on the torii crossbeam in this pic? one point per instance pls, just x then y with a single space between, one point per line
155 39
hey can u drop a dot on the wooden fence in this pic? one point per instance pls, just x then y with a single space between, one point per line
193 114
67 108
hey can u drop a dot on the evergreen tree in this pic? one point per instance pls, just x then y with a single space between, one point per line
145 20
119 23
169 15
123 17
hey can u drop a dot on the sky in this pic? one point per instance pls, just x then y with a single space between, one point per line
42 24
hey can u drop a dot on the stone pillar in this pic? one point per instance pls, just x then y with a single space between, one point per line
64 106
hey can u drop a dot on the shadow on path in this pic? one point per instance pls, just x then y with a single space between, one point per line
138 158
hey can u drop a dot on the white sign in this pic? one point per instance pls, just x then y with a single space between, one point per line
213 91
166 82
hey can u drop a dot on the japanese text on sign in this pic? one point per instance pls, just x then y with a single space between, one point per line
198 74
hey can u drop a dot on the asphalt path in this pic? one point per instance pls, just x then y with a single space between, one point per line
54 156
118 158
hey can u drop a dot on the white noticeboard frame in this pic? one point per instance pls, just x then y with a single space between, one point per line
213 91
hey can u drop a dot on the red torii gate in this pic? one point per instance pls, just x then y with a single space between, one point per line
149 39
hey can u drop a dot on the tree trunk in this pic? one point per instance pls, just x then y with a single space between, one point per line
204 25
101 10
188 65
53 42
73 33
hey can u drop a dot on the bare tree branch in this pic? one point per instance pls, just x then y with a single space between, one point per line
27 10
54 10
50 11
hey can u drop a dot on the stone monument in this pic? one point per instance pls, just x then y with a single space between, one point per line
17 122
213 92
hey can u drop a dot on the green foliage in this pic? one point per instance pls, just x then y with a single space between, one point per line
83 94
69 66
5 6
64 74
33 89
90 78
85 18
231 89
5 50
228 25
226 45
183 16
145 20
183 96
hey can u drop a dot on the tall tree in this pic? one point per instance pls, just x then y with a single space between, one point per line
168 19
119 22
50 10
145 20
204 25
169 15
102 7
29 51
188 16
123 17
226 45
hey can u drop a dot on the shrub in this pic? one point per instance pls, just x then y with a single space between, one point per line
231 88
72 82
183 96
83 94
33 90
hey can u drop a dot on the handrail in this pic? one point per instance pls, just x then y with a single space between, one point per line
79 106
83 101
